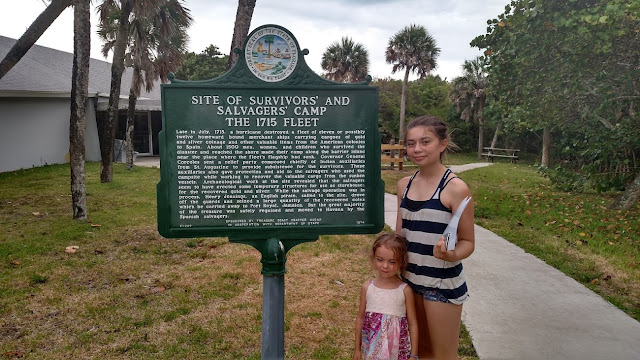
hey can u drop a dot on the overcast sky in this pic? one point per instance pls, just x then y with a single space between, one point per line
315 24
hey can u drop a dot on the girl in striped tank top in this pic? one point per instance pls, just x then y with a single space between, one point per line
426 202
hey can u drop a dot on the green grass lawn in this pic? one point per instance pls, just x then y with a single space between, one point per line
128 293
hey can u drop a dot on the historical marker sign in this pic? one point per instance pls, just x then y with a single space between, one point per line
270 149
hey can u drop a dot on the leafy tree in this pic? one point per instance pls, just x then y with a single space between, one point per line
241 28
572 68
388 108
79 95
33 33
470 95
412 49
427 96
463 133
345 61
208 64
155 48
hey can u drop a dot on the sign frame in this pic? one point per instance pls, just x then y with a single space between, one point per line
296 78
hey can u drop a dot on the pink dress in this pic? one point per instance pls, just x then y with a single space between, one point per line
385 331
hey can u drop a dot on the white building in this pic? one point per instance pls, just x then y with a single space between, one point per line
35 109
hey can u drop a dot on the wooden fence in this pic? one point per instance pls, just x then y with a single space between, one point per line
393 153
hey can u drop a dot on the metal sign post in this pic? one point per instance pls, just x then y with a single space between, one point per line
274 258
271 155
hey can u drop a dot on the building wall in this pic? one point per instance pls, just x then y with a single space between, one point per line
35 132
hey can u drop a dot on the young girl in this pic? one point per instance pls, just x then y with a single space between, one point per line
426 202
386 327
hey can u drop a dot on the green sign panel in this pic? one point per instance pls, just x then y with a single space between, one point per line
270 149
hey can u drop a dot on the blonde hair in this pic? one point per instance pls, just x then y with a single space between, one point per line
396 243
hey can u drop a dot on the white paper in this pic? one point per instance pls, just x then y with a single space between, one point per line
451 232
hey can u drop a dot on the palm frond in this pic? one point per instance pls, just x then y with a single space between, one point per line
156 36
412 48
345 61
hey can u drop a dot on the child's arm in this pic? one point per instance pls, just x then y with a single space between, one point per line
412 319
357 352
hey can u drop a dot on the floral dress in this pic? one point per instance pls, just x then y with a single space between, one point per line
385 331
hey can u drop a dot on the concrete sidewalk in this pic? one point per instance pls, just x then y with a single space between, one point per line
148 161
522 308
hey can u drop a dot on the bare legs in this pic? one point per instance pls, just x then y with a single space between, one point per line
424 348
439 328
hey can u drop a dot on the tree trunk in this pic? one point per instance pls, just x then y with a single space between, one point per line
480 121
241 28
131 113
117 68
77 121
630 195
480 139
403 103
546 142
33 33
495 134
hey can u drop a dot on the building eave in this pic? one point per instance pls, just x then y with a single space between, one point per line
39 94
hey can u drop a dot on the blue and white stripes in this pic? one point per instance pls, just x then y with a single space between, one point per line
423 223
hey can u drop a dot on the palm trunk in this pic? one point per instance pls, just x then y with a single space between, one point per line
546 142
403 102
33 33
131 113
480 139
77 121
630 195
495 134
117 68
480 120
241 28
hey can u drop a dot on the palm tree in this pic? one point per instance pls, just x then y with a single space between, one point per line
469 95
156 45
269 39
241 28
33 33
116 14
79 93
411 49
345 61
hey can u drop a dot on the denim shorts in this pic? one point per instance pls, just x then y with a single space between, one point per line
435 295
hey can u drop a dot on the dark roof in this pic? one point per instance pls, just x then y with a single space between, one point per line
47 72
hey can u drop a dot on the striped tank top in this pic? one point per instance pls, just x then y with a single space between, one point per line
423 223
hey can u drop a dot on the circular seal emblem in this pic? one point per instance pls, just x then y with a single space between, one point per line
271 54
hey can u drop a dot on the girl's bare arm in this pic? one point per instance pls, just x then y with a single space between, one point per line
452 197
357 351
412 319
